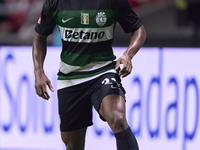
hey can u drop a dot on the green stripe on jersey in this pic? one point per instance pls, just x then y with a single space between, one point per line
82 60
85 18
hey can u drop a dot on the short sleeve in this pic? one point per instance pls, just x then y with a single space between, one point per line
127 18
46 22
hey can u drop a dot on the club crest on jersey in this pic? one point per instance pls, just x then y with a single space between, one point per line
101 18
85 18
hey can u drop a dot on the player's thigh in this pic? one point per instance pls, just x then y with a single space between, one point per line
113 110
112 105
74 139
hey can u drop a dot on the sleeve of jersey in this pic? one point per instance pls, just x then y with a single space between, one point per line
46 22
127 18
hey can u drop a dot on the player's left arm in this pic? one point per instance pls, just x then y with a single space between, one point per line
137 40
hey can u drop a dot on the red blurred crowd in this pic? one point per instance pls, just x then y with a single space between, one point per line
16 15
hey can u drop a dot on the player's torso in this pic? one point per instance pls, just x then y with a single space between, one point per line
86 29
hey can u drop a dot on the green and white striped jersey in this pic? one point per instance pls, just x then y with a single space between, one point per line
86 28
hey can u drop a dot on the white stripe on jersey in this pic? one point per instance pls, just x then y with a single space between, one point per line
65 68
86 35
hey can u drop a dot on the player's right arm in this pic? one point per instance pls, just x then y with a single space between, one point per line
43 28
38 53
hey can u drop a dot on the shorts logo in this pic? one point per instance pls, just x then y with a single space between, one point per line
114 84
101 18
85 18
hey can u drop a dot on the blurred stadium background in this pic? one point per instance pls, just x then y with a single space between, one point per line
173 33
169 23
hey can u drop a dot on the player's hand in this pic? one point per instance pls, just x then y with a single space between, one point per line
41 83
127 65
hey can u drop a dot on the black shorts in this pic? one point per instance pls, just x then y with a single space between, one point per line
75 103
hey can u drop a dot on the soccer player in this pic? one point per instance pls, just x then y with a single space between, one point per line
88 75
